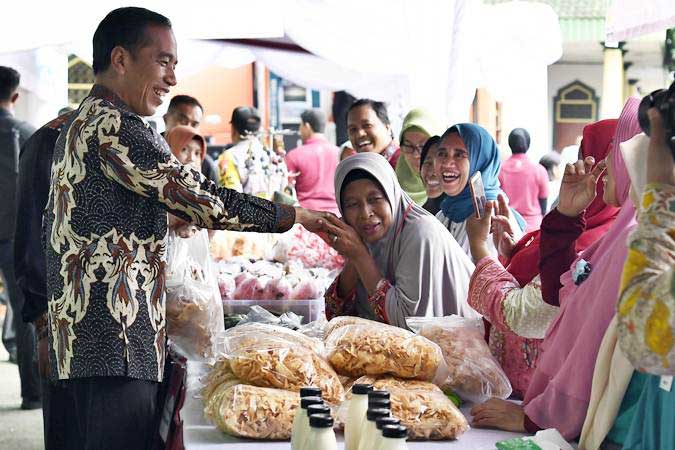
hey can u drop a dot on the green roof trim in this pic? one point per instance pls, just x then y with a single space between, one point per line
582 30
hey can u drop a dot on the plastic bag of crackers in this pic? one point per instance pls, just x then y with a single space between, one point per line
473 373
422 407
275 357
358 347
194 310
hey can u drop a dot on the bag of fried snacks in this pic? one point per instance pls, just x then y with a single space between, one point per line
276 357
422 407
358 349
254 412
473 373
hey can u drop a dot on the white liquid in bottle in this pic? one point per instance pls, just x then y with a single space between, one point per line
379 423
369 432
301 420
393 438
356 413
321 435
312 410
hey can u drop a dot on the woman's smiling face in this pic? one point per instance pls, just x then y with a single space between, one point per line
366 209
452 164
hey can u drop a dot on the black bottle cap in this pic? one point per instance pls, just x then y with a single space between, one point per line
394 431
310 391
378 394
374 414
306 401
362 389
321 421
374 403
318 409
382 421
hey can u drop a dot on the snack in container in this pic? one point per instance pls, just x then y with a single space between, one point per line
255 412
356 349
473 373
422 407
276 357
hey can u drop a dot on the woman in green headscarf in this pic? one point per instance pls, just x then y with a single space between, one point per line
418 126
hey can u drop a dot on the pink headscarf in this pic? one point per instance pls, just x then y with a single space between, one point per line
560 388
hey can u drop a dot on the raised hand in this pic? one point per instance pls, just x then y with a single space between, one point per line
502 233
478 231
578 188
343 238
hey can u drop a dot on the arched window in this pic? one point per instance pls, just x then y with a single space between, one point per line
575 106
80 80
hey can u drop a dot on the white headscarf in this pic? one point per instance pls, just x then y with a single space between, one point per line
428 270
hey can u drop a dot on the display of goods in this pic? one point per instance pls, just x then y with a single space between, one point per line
255 412
422 408
227 244
473 373
276 357
373 348
301 245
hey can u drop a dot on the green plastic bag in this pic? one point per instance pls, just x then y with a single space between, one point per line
517 444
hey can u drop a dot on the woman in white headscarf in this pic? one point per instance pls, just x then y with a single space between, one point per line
401 261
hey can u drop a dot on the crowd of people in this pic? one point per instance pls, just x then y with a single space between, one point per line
569 266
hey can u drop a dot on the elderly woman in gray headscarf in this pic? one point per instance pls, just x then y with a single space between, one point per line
401 261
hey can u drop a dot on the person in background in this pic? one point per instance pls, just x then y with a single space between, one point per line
18 336
525 183
554 168
346 150
430 177
105 251
370 130
418 125
186 110
313 164
507 291
464 150
400 260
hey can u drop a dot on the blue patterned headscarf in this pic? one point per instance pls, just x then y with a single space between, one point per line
483 157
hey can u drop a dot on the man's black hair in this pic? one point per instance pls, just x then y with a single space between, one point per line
183 100
9 82
380 108
519 140
124 27
315 118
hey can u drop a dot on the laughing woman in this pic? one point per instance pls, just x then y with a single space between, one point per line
400 260
464 150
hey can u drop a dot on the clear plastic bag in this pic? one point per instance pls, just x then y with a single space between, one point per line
194 310
422 407
276 357
254 412
472 372
358 347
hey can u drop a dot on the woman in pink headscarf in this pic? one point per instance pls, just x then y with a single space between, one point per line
560 387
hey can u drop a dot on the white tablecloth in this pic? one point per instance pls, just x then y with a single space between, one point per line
200 435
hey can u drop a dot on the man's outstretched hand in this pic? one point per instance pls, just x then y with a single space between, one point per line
311 220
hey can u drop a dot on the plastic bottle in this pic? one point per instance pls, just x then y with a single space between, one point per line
321 435
312 410
393 438
310 391
375 403
358 405
378 394
379 423
369 432
301 421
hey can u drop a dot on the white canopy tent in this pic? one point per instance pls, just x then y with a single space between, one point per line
632 18
405 52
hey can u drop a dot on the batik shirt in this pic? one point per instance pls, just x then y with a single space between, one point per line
113 181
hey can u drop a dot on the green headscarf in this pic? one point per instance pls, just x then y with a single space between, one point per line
410 181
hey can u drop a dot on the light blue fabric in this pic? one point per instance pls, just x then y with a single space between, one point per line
629 406
483 158
653 426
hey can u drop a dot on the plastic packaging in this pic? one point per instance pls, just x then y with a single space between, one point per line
308 310
276 357
368 430
321 436
301 421
393 438
298 244
356 411
256 412
421 407
194 312
473 373
377 349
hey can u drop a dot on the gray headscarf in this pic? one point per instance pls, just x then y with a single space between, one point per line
428 270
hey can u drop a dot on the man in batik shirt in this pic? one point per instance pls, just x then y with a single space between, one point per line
113 182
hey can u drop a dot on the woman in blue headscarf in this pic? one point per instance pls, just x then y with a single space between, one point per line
464 150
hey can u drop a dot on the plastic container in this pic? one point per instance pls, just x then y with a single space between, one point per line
379 423
301 421
393 438
321 435
358 405
310 310
369 430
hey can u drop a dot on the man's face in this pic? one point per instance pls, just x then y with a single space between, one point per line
183 114
149 74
